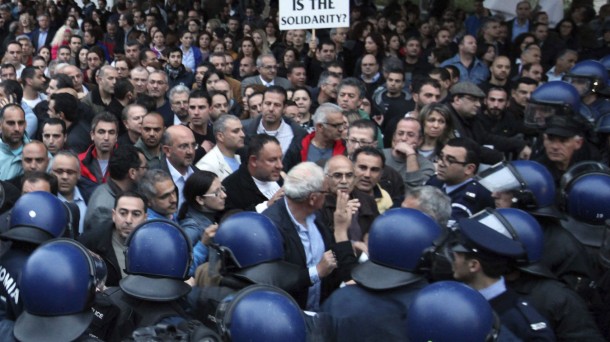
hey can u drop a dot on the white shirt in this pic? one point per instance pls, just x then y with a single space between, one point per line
179 179
268 189
283 134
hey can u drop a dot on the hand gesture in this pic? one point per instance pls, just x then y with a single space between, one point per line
209 233
327 264
342 216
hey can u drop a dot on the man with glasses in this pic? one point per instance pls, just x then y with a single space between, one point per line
179 100
458 162
325 141
341 176
266 65
414 168
178 146
465 104
273 123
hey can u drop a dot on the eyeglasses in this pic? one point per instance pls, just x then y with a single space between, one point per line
359 142
216 193
337 126
66 171
338 176
270 67
145 167
449 160
184 147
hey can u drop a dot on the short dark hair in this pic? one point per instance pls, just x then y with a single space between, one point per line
55 121
130 193
12 87
104 117
524 80
63 81
123 158
35 176
276 90
175 49
473 150
67 104
258 142
353 82
442 72
28 72
369 151
421 80
366 124
200 94
122 87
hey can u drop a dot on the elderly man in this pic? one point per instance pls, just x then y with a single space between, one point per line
254 186
266 65
223 159
342 179
178 146
102 98
309 243
325 141
179 100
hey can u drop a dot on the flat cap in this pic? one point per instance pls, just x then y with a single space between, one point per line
467 88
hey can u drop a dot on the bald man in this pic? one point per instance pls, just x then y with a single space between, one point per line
178 145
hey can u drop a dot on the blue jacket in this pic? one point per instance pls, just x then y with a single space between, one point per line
10 161
478 74
193 224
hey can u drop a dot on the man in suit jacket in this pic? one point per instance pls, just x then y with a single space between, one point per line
266 65
255 185
329 257
43 35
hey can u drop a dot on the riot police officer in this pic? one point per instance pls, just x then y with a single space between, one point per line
36 217
590 78
375 308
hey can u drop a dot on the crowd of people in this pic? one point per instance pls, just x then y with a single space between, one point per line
185 168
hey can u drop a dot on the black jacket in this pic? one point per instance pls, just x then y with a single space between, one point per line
295 253
242 193
99 240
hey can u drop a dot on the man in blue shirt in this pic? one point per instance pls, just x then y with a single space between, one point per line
471 68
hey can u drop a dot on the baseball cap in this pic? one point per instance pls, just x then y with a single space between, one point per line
562 126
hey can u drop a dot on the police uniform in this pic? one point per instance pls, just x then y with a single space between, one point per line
515 313
11 264
468 198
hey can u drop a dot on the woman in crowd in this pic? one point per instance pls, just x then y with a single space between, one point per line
95 59
271 31
211 77
62 37
260 41
158 43
230 46
204 40
204 200
302 97
486 53
393 45
191 56
247 48
290 56
567 30
26 24
435 119
81 58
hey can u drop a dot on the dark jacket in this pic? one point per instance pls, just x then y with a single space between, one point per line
290 158
242 193
89 167
99 240
294 252
366 213
78 136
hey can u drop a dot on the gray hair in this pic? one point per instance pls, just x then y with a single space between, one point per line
303 179
259 59
128 108
321 114
353 82
65 153
220 125
433 202
104 69
146 185
179 89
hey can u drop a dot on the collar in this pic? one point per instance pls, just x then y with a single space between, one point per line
450 188
494 290
265 83
176 174
76 196
309 220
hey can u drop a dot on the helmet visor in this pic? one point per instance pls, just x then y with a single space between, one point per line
491 220
499 178
581 83
536 114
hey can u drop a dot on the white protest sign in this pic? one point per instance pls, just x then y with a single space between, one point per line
313 14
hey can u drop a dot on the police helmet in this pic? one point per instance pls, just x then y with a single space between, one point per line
57 287
587 198
530 182
588 76
250 247
448 311
260 313
606 63
549 99
521 227
37 217
603 124
157 261
399 242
